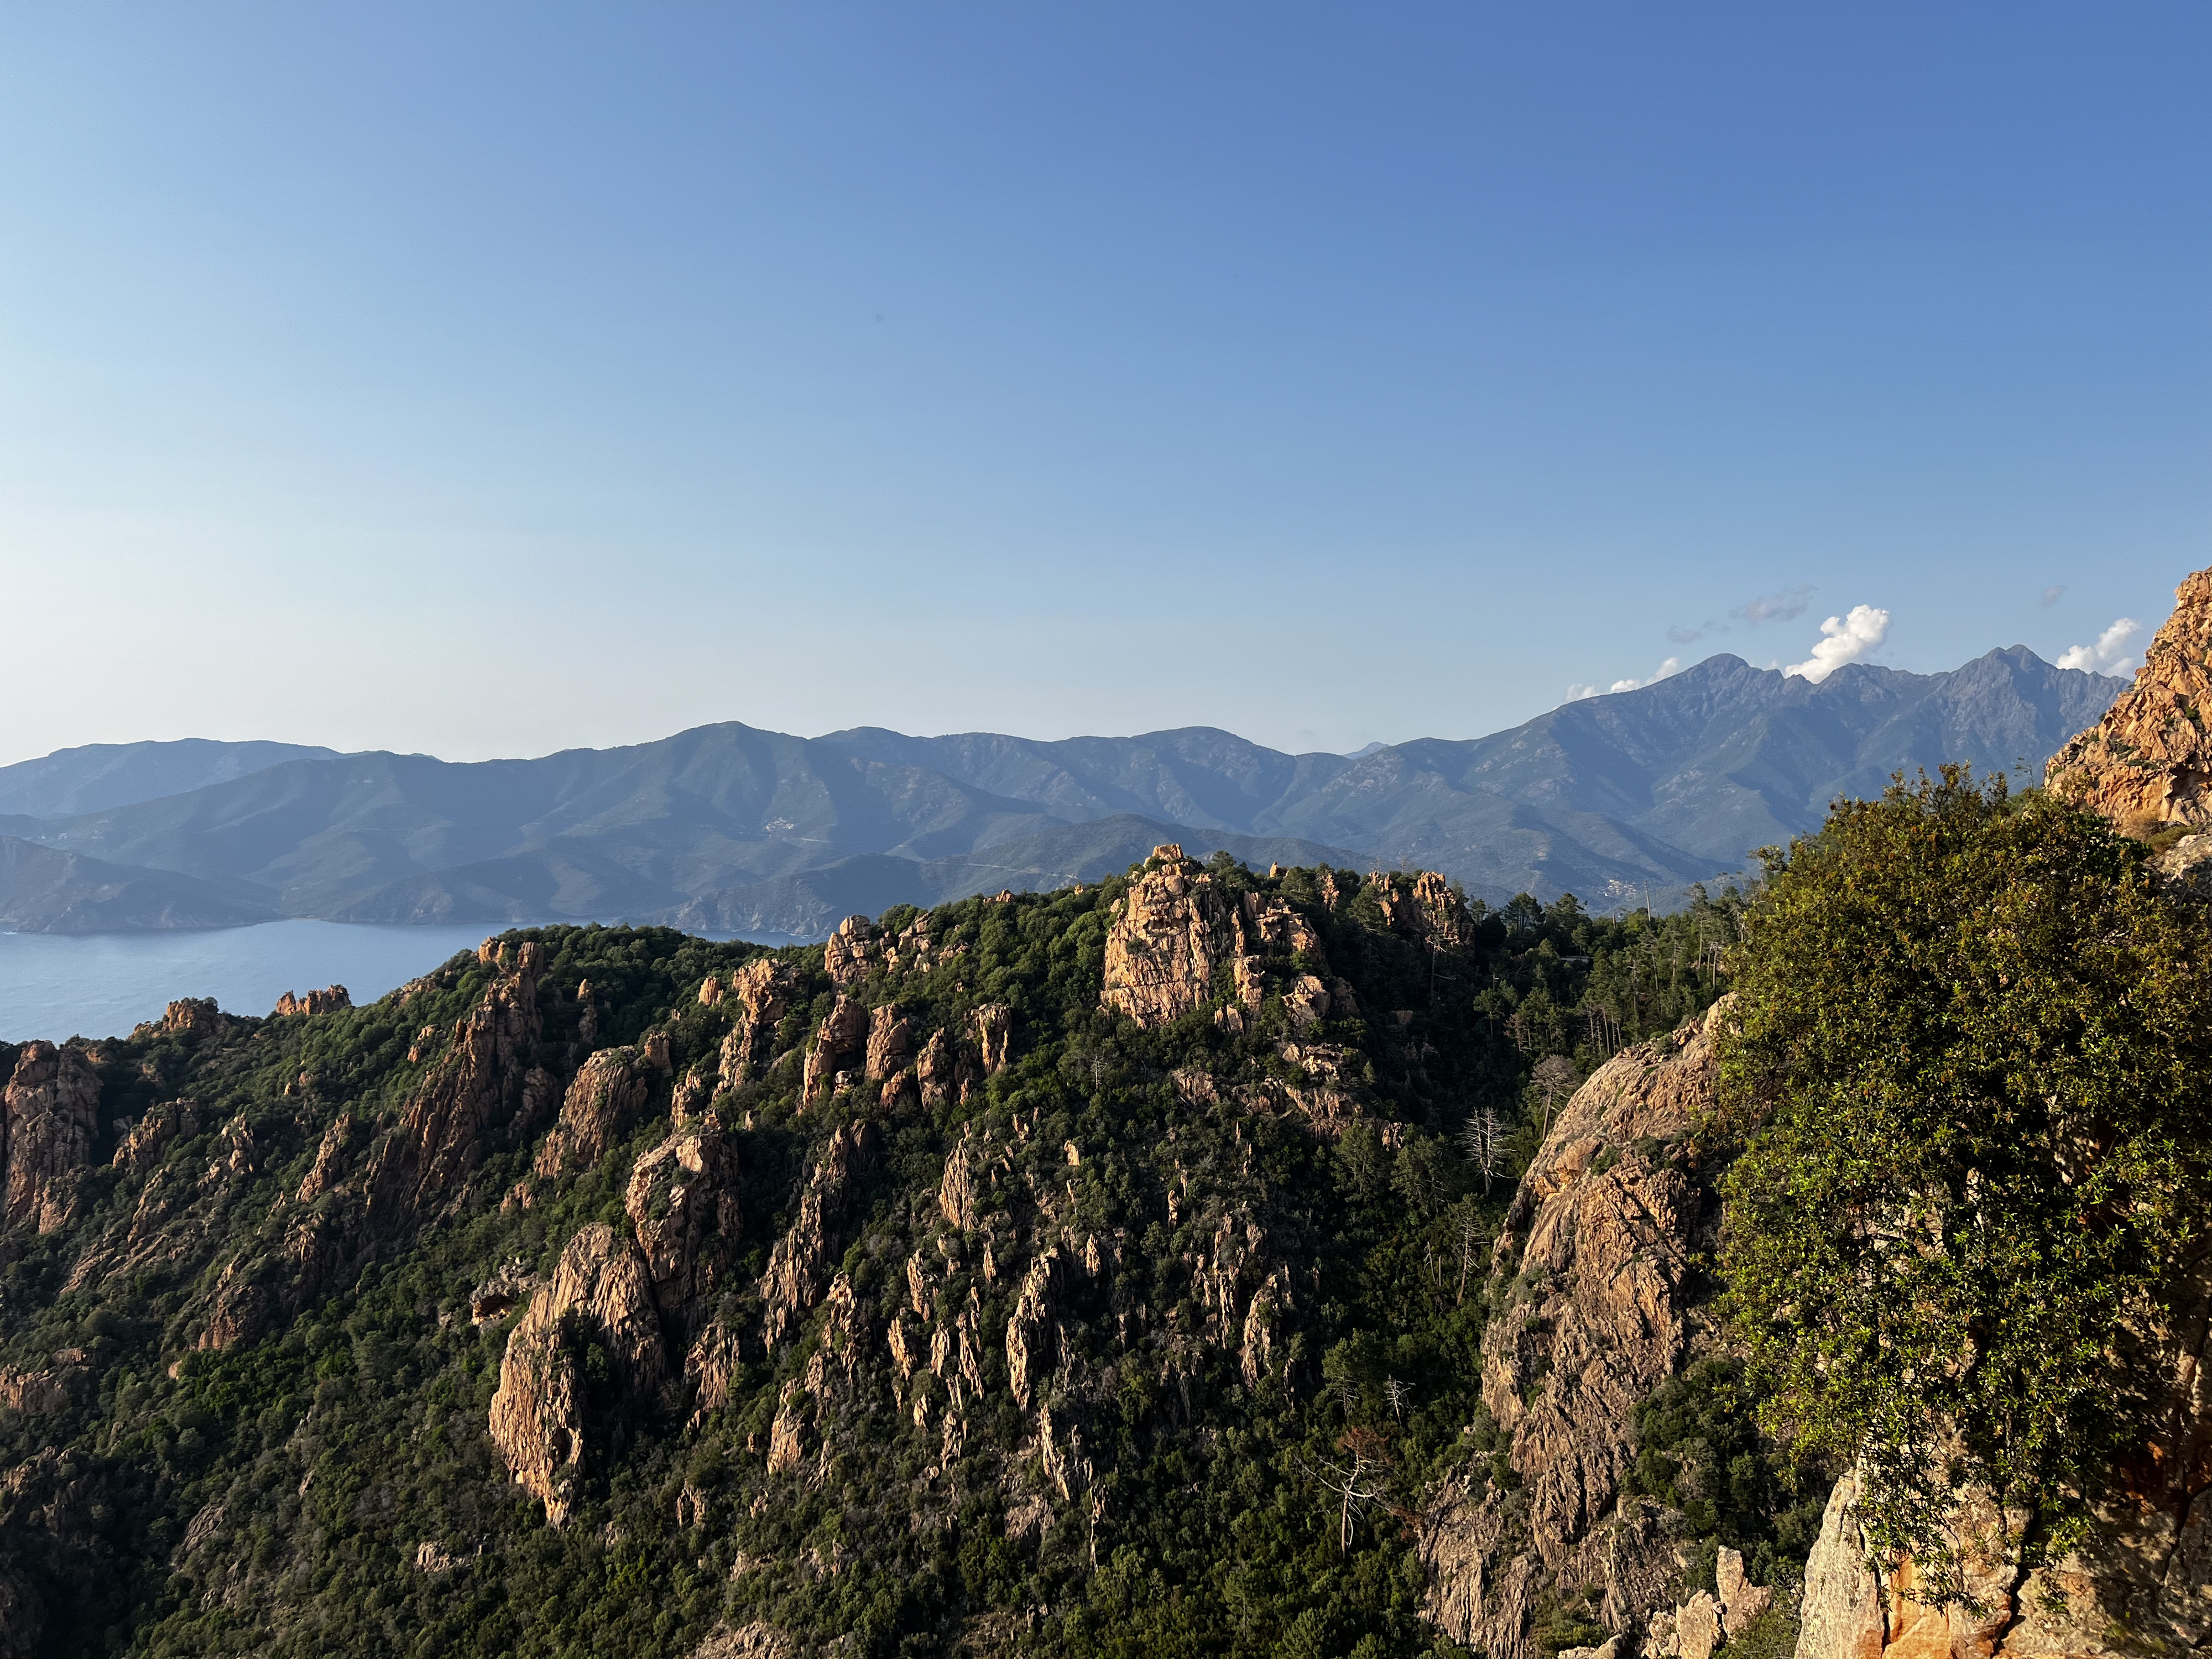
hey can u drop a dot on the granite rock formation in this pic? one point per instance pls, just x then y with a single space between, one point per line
2141 1584
2148 761
601 1293
1593 1284
610 1091
48 1116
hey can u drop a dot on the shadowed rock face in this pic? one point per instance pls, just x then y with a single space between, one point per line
601 1292
2149 760
49 1113
1592 1277
484 1081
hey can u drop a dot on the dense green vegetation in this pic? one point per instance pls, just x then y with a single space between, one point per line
1970 1075
330 1485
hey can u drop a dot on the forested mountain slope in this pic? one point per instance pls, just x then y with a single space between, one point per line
1030 1275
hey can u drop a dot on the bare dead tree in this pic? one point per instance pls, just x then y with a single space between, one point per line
1395 1393
1484 1142
1470 1240
1556 1076
1359 1483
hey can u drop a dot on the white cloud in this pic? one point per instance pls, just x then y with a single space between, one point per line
1672 665
2051 594
2109 655
1843 639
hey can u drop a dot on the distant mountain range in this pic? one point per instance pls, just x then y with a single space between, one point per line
728 829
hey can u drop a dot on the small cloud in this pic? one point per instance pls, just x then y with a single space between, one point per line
1784 606
1843 639
1768 607
2109 655
1672 665
2051 595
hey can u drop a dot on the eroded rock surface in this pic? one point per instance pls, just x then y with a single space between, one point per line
485 1081
1176 930
800 1259
49 1115
758 996
327 1000
1591 1277
600 1292
2149 760
610 1091
682 1204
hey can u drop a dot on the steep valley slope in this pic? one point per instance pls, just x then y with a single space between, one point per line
1095 1272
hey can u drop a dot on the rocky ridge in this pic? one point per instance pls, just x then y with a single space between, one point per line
1595 1301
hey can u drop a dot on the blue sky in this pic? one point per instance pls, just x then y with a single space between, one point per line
489 380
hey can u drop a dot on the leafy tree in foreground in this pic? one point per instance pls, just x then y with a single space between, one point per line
1970 1072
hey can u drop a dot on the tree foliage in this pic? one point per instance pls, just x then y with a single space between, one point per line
1969 1067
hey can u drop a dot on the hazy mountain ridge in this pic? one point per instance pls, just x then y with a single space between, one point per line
728 827
96 776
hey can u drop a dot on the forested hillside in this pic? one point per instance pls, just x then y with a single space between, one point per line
1104 1271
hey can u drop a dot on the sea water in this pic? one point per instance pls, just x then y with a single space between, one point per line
94 984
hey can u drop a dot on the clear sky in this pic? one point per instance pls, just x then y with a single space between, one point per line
491 379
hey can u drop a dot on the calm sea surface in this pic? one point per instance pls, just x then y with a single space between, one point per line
58 986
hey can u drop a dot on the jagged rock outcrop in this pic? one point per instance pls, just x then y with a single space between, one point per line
945 1070
1591 1277
758 995
890 1042
1423 908
600 1292
327 1000
189 1018
682 1205
859 948
2149 760
1176 928
609 1093
1171 933
801 1257
141 1144
484 1083
1031 1333
49 1115
841 1044
845 955
992 1024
